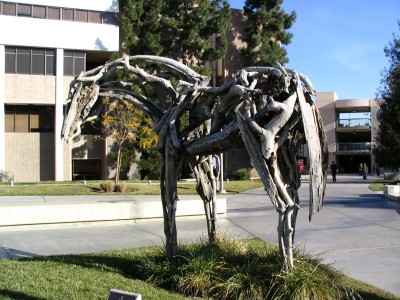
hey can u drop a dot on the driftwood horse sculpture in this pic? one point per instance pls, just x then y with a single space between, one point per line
262 108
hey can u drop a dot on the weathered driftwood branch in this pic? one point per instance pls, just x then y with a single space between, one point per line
262 108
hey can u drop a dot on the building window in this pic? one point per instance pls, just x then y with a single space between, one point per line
74 62
34 61
95 17
29 118
67 14
81 15
24 10
9 9
53 13
39 12
57 13
109 18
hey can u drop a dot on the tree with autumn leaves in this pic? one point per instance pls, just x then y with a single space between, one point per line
125 125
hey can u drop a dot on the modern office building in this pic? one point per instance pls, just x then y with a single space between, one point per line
43 45
351 127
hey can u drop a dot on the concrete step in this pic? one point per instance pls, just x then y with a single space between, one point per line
70 209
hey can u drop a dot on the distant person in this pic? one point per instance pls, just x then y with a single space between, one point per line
360 169
333 168
378 170
216 165
374 169
364 170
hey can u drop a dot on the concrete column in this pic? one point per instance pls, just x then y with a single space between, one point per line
2 115
59 117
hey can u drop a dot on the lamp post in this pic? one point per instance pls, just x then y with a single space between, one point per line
221 174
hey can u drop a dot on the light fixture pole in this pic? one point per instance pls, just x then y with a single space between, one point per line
221 174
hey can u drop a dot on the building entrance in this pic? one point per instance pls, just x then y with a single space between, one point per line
350 164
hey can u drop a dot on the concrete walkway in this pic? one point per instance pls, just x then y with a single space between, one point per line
357 230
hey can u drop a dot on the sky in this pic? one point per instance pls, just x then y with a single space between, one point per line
339 44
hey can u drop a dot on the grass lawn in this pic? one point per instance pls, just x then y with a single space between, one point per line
235 269
93 188
248 269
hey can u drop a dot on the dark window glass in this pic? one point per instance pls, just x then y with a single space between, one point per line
79 65
39 12
23 61
109 18
68 66
53 13
67 14
50 65
9 9
94 17
30 61
24 10
10 60
38 63
29 118
79 54
74 62
81 15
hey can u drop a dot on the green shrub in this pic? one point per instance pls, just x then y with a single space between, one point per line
242 174
5 176
106 186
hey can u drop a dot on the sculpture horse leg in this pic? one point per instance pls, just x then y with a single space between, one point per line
171 163
206 188
270 175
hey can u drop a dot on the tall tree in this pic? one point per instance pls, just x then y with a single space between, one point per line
266 32
178 29
387 142
139 26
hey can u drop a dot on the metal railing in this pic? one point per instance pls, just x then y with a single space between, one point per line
352 123
364 147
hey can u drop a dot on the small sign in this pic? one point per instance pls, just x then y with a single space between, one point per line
301 164
122 295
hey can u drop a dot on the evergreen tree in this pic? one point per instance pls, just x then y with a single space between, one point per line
387 142
266 32
178 29
139 26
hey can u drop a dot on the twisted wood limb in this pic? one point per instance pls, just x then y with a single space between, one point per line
170 167
270 175
206 188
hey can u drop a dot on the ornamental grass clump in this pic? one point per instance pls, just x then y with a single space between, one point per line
310 279
244 269
120 187
106 186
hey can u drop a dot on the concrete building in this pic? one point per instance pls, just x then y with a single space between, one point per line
351 127
43 45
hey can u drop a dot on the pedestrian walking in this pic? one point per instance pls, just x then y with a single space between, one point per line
216 165
364 170
333 168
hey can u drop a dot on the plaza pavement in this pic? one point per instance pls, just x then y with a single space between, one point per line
357 231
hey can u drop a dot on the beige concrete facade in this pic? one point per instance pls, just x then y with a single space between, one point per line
350 126
35 151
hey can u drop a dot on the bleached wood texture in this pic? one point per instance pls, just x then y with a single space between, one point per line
262 109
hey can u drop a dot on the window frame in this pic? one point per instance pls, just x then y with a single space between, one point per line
57 13
29 115
14 60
